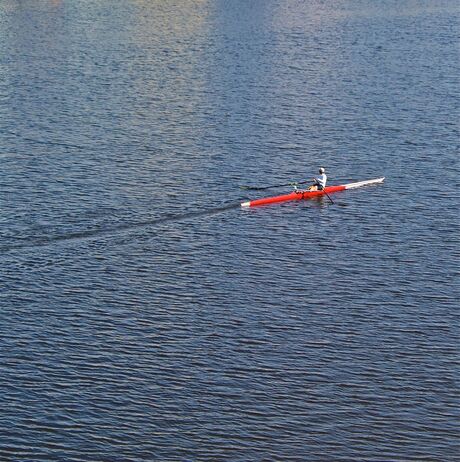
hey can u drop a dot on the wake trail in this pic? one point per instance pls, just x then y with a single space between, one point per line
87 234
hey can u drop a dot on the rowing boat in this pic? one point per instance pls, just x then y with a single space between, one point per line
298 195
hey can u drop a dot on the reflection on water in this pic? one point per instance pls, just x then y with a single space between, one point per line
143 314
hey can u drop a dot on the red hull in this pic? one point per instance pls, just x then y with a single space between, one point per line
294 196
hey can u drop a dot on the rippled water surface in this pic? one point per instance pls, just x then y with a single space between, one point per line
144 315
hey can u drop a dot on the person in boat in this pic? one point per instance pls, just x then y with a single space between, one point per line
320 181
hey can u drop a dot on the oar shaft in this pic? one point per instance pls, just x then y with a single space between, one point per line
257 188
329 197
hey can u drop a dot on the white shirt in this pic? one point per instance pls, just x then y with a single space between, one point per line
321 179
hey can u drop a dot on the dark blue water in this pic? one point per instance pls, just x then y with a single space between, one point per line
144 316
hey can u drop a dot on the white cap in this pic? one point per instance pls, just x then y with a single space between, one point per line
321 170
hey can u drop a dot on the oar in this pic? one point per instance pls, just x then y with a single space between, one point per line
292 183
329 197
332 202
256 188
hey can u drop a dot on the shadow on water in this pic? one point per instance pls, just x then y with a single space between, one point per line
47 241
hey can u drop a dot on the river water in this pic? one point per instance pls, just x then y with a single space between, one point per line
144 316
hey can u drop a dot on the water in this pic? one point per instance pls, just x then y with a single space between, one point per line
144 315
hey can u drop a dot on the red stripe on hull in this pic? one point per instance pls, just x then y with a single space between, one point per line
295 196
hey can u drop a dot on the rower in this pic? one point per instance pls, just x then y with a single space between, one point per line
320 181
